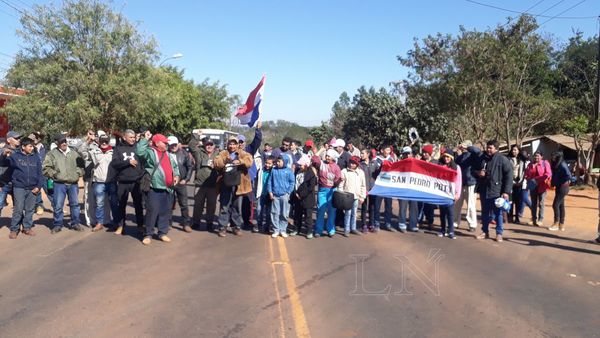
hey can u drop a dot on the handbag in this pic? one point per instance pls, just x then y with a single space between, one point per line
146 180
343 200
232 176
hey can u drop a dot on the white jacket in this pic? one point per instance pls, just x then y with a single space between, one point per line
101 162
354 181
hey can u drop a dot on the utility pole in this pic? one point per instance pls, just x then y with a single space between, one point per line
597 101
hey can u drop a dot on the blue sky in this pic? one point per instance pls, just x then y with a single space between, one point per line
311 51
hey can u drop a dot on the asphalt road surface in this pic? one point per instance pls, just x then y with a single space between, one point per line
83 284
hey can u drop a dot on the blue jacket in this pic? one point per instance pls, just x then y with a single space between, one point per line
466 161
26 170
281 181
561 175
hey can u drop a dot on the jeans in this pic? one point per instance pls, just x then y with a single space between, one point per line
158 211
447 219
303 216
280 210
467 193
325 205
263 213
231 208
489 212
202 196
63 191
6 190
23 209
558 205
350 217
413 215
368 207
123 191
426 211
537 201
102 189
387 211
180 192
525 200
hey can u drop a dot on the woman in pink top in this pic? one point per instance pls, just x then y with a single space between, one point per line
329 177
538 174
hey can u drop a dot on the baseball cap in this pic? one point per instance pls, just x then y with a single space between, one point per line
172 140
427 149
339 143
355 159
241 138
159 138
59 138
232 139
13 134
104 138
206 140
309 143
406 150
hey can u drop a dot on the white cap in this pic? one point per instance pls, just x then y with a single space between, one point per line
100 133
339 143
171 140
406 150
332 153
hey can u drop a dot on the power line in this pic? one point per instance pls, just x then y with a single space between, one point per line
549 8
534 5
566 10
534 15
12 6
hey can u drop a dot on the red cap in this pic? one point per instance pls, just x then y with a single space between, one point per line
355 159
309 143
427 149
159 138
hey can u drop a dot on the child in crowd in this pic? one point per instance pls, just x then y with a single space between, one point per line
353 181
304 195
263 209
280 186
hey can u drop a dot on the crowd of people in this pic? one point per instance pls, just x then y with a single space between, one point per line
274 191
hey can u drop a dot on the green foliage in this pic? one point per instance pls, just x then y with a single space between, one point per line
322 133
275 131
85 66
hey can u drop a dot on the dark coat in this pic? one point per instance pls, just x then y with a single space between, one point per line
466 161
121 169
26 170
306 190
499 176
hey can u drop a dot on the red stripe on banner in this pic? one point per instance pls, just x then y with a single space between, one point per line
420 167
249 106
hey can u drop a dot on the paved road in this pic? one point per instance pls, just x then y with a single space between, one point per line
87 284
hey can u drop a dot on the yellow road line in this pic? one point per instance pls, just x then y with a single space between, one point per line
276 284
297 310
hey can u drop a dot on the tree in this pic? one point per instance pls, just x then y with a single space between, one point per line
84 66
339 115
322 133
376 118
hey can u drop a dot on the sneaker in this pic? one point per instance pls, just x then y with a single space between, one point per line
561 227
365 229
77 227
275 234
472 229
119 230
374 230
56 230
346 233
355 232
390 228
98 227
403 230
451 236
165 238
187 228
39 210
255 229
414 230
147 240
483 235
440 234
237 231
285 235
222 233
309 236
13 235
499 238
29 232
554 227
315 236
293 233
330 234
